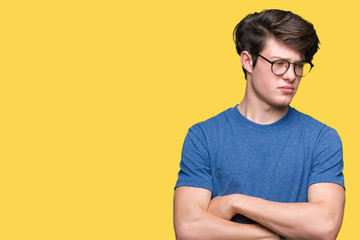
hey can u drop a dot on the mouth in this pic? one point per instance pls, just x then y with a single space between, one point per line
287 89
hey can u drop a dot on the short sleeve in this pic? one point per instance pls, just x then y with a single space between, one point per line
328 159
195 169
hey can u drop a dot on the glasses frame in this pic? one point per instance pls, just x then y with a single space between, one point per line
295 63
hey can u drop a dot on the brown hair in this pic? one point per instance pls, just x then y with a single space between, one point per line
251 33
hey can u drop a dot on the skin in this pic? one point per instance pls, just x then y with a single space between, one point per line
319 218
266 100
192 219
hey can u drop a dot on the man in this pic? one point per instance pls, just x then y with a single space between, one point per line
263 170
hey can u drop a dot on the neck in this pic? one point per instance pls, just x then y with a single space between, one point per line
262 113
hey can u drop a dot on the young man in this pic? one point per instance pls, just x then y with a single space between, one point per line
263 170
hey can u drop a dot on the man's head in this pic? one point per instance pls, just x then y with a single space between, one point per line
253 31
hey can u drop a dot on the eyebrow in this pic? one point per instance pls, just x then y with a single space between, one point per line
288 59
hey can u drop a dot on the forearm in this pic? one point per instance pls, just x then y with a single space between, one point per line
192 219
294 220
207 226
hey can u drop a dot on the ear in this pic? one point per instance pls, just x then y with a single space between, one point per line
246 61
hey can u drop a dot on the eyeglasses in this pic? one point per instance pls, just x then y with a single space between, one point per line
280 67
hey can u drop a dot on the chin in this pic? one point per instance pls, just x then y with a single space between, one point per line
283 102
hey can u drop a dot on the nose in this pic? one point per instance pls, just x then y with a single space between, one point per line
289 75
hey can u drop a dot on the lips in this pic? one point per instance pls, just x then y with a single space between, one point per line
287 89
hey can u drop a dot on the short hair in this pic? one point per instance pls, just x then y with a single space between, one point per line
251 33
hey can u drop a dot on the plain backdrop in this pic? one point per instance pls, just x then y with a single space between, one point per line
97 97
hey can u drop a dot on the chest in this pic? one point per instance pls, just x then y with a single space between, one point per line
270 166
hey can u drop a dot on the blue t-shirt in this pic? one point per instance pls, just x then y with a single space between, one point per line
230 154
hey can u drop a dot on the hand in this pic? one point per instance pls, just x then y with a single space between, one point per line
223 206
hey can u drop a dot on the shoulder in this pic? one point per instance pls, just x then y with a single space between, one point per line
307 120
218 121
311 123
315 129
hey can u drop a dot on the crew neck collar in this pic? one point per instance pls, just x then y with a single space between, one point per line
263 127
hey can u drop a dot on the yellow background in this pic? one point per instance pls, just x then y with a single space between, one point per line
97 97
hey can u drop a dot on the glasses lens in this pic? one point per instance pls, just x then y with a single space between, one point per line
302 68
280 67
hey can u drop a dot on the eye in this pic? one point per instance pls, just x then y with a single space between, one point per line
281 63
300 64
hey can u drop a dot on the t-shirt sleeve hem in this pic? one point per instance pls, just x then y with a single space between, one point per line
193 185
341 183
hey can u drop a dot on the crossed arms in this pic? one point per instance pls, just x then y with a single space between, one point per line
196 216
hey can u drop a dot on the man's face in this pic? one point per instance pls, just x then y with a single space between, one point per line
268 88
